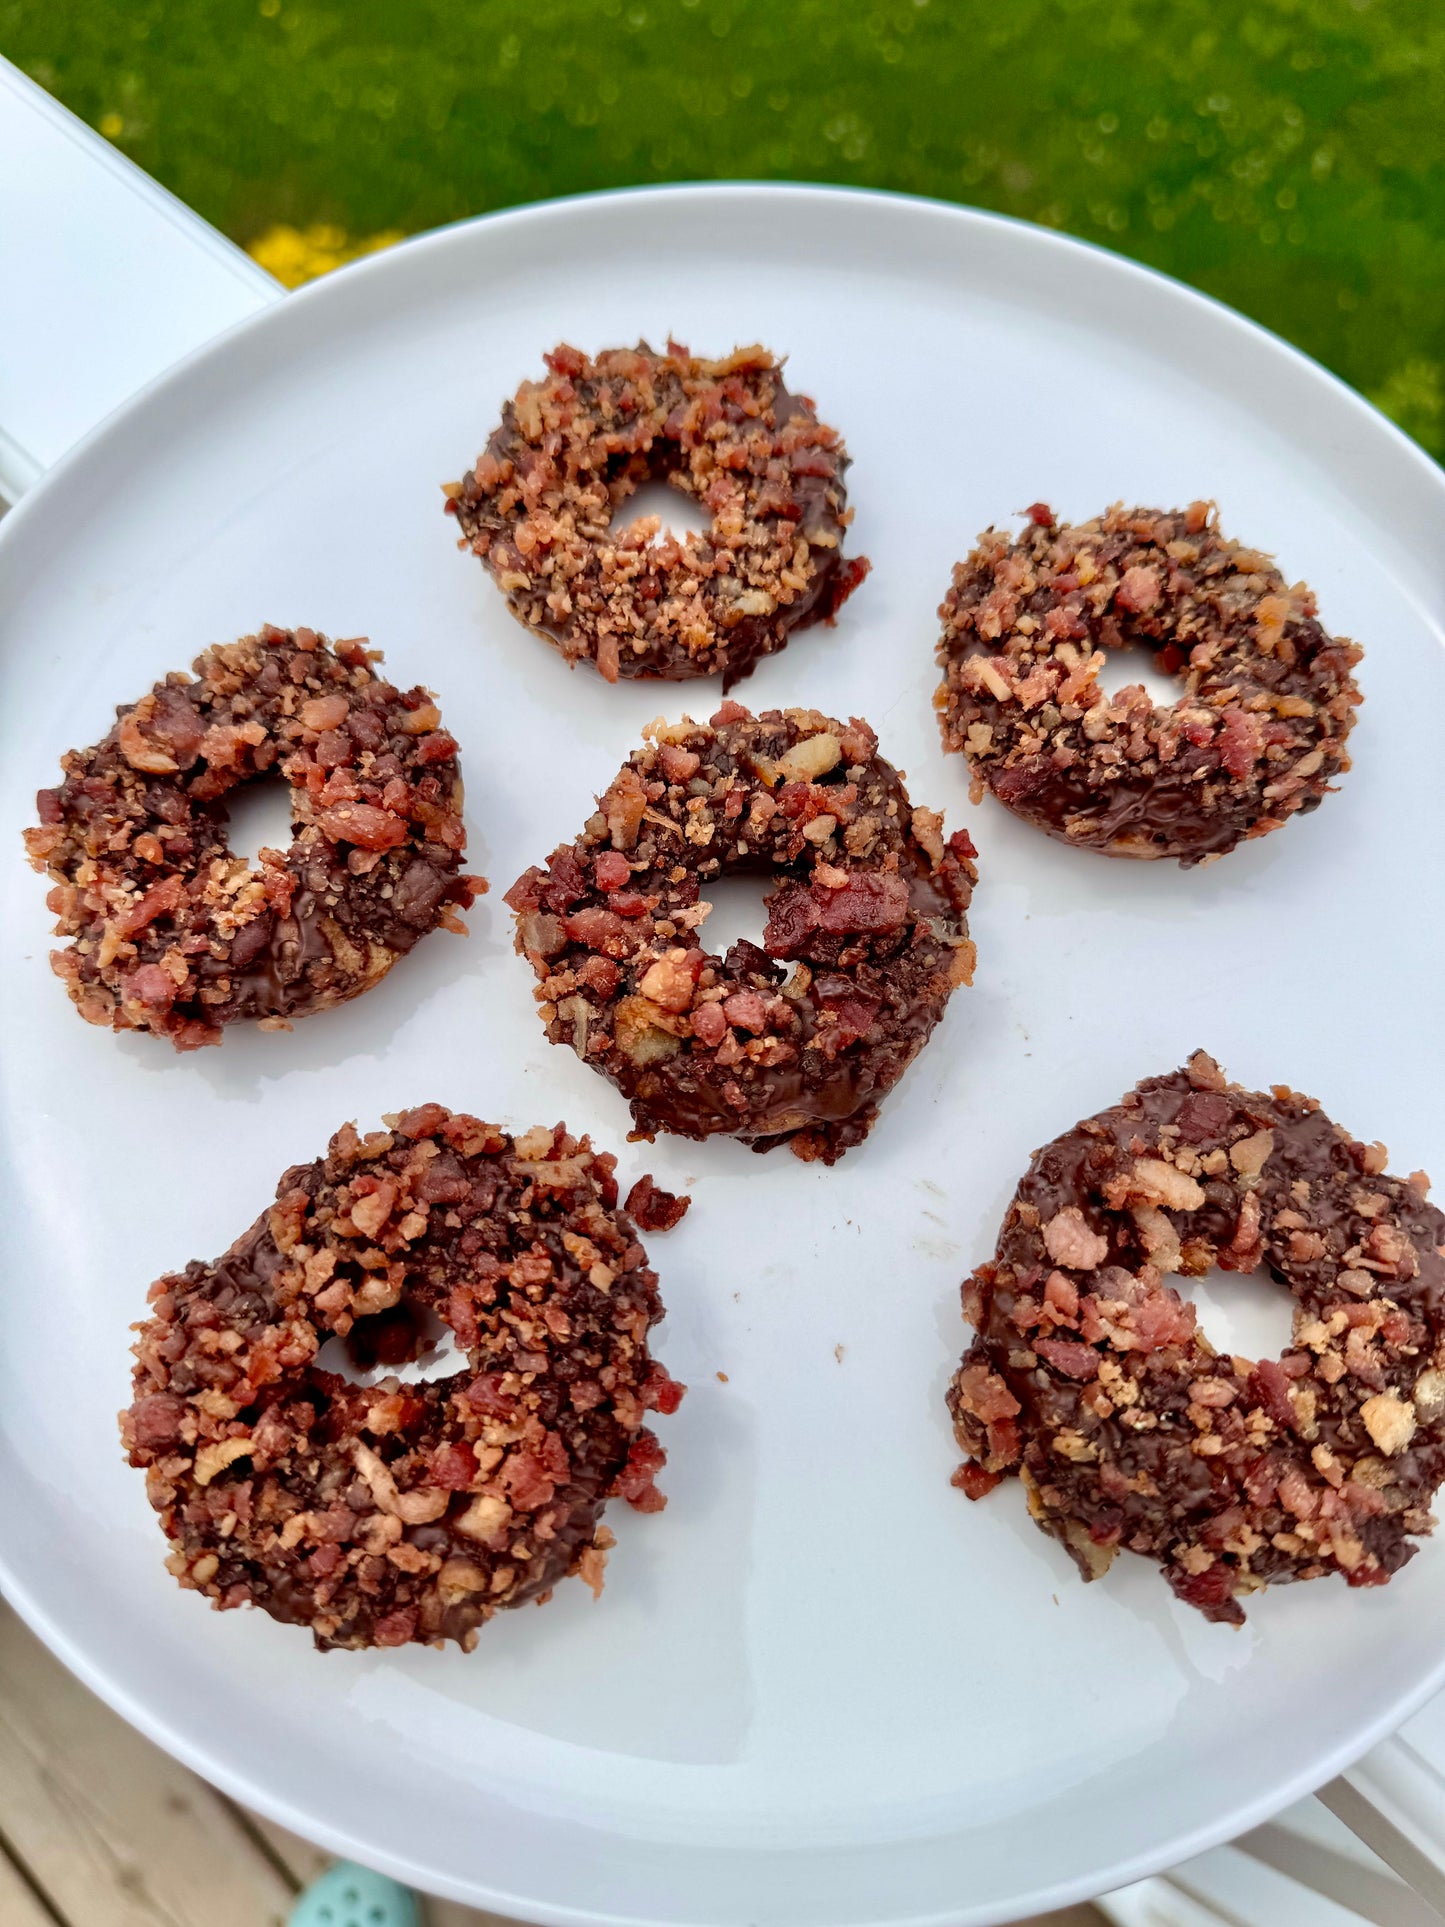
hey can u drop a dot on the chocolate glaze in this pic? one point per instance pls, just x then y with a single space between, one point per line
1090 1378
541 509
1257 735
868 909
170 932
394 1513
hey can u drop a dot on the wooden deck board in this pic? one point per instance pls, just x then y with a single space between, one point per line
108 1831
112 1831
18 1905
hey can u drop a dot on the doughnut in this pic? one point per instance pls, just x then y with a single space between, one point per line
169 932
1090 1378
867 907
539 509
1256 736
405 1512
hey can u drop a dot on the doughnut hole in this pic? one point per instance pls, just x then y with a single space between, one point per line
258 817
681 515
405 1343
1244 1314
739 911
1137 662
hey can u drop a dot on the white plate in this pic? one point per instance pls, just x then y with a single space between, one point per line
821 1688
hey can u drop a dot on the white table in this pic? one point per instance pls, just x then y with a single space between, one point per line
105 281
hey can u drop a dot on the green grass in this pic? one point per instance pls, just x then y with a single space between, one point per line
1286 155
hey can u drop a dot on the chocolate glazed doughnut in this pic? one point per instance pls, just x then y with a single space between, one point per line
869 909
1257 735
539 506
405 1512
170 932
1090 1378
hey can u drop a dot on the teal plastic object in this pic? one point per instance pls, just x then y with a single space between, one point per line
350 1896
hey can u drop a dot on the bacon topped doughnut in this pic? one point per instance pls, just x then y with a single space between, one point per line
170 932
1090 1378
1256 736
405 1512
868 908
541 505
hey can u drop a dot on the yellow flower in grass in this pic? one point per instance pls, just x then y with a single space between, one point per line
295 255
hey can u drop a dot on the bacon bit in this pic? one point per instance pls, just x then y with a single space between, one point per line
396 1628
162 899
1161 1318
662 1393
645 1459
140 752
973 1481
325 712
1210 1590
678 764
488 1397
654 1209
155 1422
1241 742
1268 1388
709 1025
1140 590
747 1010
362 824
869 903
1069 1241
1297 1495
1069 1357
1205 1114
371 1211
453 1467
566 360
439 747
1061 1296
985 1395
598 929
151 986
1245 1248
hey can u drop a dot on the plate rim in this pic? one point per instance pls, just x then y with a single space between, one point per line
1416 470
